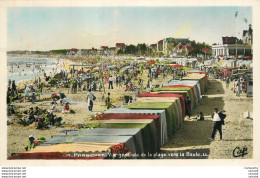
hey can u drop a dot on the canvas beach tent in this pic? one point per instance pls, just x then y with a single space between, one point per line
180 90
135 132
167 106
177 106
127 141
194 91
200 77
167 95
161 113
194 83
155 128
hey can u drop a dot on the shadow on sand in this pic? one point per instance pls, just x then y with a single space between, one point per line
207 105
192 133
215 87
191 140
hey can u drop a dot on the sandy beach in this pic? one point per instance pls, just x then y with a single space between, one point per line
191 137
18 135
237 132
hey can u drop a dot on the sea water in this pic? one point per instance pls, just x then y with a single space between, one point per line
20 68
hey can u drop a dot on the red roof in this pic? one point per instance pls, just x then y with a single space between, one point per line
181 46
204 49
153 45
190 48
73 49
104 47
93 49
229 40
112 48
160 42
176 65
120 44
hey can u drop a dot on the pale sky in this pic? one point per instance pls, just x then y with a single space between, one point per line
41 28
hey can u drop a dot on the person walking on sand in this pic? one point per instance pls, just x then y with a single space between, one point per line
108 101
217 125
33 98
227 82
188 106
110 80
238 88
90 99
26 93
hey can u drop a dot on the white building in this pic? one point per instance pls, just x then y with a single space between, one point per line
167 46
226 50
233 46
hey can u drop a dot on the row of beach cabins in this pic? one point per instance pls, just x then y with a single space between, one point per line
136 130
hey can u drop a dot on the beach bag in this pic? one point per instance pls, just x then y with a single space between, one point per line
222 117
94 97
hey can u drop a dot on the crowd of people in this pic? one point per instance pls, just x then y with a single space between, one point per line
126 77
126 74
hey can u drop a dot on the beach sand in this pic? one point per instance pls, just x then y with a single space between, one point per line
18 135
237 132
191 137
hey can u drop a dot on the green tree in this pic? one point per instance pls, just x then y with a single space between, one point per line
198 46
120 51
131 49
59 51
142 48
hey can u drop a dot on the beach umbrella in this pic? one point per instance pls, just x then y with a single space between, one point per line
151 62
80 72
176 65
248 57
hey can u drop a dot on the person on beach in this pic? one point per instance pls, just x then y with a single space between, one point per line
238 88
9 83
66 108
39 92
31 144
188 102
201 117
149 82
217 125
108 101
117 81
54 106
90 99
26 93
75 85
227 82
33 98
110 80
